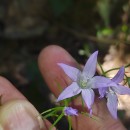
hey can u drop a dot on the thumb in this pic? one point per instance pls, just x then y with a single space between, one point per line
20 115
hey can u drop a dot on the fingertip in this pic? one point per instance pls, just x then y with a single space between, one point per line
54 54
50 70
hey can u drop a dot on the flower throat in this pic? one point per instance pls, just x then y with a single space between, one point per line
82 80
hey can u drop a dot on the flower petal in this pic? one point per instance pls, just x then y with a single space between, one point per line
90 66
121 89
112 103
69 111
70 71
88 97
99 82
119 76
102 92
70 91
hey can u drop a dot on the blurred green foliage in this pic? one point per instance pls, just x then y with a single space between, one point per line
60 6
104 9
101 18
105 32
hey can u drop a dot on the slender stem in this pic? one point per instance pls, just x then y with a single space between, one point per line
55 108
127 65
111 70
126 79
116 68
69 121
46 111
53 113
83 106
57 120
102 69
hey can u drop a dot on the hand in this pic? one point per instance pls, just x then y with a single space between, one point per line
16 113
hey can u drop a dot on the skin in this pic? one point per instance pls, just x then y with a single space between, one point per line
53 74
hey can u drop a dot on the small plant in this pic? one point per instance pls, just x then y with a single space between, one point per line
85 83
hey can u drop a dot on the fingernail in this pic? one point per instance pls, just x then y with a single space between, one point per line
20 115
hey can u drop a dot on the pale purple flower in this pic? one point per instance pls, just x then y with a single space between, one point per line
69 111
83 81
112 90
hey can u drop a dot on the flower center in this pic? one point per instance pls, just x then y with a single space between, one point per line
82 80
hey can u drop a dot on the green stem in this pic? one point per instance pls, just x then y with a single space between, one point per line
56 108
127 65
116 68
83 105
111 70
102 69
53 113
69 121
58 119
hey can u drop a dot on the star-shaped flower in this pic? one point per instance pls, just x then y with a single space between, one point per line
69 111
83 81
112 90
